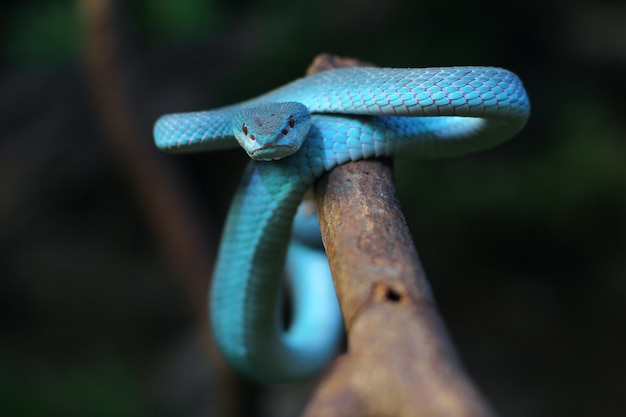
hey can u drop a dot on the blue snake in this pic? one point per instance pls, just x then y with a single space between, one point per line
305 128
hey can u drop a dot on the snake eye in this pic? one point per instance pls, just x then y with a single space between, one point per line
292 121
244 129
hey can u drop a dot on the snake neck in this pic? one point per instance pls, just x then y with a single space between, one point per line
247 283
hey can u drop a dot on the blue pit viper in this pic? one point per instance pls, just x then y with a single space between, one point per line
305 128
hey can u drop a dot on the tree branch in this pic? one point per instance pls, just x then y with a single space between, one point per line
400 361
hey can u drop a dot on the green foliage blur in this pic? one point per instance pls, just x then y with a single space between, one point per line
38 36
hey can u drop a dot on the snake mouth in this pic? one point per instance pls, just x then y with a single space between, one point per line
272 152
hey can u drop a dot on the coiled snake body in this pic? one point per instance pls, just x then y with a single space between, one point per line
355 113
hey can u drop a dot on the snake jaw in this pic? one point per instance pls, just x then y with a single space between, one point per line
271 152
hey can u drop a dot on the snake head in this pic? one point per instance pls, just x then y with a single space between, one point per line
273 130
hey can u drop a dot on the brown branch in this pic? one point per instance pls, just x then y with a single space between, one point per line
168 209
400 361
163 199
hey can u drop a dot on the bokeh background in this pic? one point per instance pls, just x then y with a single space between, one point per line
106 245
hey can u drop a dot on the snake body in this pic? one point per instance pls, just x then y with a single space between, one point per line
356 113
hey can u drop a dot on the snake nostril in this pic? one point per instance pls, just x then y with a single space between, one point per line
393 295
284 132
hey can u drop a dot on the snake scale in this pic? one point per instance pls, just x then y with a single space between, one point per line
310 126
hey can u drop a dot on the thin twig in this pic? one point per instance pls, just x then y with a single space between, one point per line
163 199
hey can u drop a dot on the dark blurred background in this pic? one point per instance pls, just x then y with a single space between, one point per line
106 245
